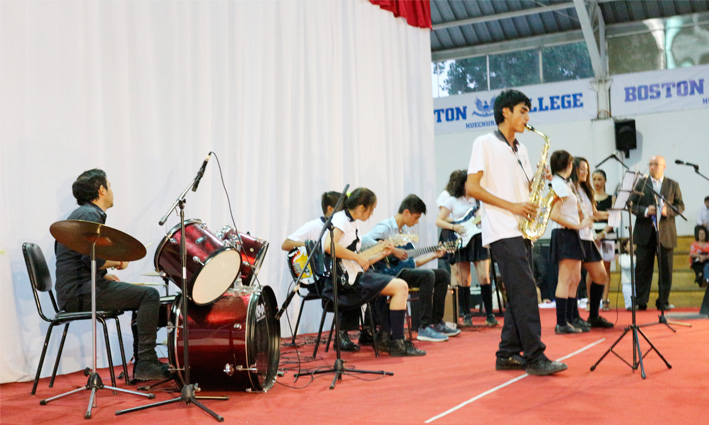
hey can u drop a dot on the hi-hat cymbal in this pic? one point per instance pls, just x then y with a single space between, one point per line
111 244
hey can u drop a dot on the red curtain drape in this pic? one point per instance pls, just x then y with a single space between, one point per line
416 12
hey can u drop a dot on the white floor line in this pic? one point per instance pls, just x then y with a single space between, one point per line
511 381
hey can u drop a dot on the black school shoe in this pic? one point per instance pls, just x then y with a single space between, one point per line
148 370
544 366
346 343
566 329
579 323
513 362
600 322
401 348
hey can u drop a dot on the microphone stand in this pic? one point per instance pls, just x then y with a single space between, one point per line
187 395
634 328
696 169
338 368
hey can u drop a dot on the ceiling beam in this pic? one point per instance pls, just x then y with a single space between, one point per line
599 70
505 15
546 40
511 14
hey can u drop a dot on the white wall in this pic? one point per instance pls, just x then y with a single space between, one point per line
674 135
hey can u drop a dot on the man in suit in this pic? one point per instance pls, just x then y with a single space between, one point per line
646 208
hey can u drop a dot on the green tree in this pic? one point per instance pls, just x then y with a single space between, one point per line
566 62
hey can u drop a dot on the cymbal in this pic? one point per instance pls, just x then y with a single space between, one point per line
146 284
111 244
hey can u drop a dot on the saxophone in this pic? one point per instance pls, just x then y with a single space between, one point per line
534 228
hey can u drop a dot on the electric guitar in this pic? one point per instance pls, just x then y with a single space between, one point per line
347 270
297 257
393 266
471 223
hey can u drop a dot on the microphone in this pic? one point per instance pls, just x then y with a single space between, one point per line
679 161
200 173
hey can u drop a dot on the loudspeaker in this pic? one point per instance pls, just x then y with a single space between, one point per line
625 136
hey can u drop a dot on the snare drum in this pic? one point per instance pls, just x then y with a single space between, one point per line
212 265
252 254
233 343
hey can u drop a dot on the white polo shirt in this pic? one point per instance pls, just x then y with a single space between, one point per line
504 177
568 206
587 233
442 198
308 232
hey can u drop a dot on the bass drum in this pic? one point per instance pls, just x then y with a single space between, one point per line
234 343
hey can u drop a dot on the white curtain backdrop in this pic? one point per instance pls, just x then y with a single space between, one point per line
295 98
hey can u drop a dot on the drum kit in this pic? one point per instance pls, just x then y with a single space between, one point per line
234 338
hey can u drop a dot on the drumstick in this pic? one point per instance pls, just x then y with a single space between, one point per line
146 284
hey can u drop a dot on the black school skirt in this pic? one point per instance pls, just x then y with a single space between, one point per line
566 245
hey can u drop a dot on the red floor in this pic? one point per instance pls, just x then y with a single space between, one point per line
454 384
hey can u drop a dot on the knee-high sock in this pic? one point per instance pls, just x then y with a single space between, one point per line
561 311
464 293
396 317
572 309
596 296
486 293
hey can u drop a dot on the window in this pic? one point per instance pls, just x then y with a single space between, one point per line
566 62
514 69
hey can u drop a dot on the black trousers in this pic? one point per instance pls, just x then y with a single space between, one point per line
645 266
432 285
522 330
124 296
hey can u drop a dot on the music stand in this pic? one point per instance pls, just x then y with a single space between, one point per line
624 203
96 239
188 391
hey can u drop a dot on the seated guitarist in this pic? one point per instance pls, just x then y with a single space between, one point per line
349 319
458 207
364 285
432 283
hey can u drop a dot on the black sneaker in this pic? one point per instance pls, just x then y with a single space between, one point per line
581 324
544 367
346 343
401 348
600 322
148 370
513 362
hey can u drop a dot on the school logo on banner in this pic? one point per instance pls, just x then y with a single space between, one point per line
556 102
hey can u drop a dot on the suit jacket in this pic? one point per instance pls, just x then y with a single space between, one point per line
643 225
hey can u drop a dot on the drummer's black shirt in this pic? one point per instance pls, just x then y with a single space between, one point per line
74 269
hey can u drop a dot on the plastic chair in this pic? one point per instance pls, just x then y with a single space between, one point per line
41 281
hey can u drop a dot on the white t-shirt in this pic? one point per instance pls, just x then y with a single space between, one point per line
568 204
442 198
586 233
506 174
348 227
308 232
459 206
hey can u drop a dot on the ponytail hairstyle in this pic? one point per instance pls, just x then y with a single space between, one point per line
361 196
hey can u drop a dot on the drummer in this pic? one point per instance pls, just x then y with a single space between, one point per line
94 195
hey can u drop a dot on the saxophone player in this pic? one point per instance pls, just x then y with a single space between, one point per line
500 175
